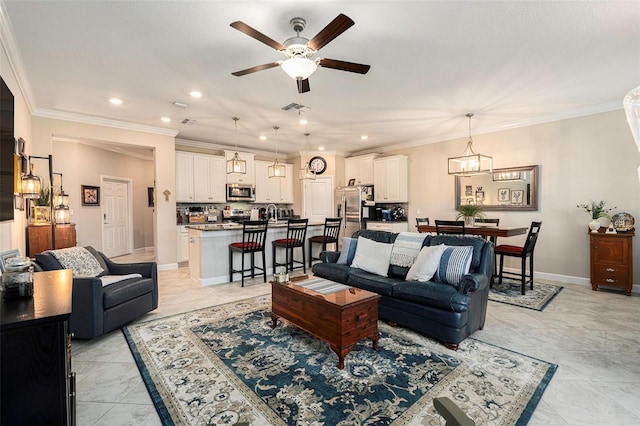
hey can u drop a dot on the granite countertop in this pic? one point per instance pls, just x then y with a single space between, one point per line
238 226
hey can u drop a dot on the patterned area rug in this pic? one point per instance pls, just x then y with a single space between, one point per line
223 365
509 292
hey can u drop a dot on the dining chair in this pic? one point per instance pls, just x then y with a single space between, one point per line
296 234
521 252
422 221
494 240
254 233
329 236
447 227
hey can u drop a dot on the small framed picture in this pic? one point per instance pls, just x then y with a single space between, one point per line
352 181
517 197
468 191
90 195
504 195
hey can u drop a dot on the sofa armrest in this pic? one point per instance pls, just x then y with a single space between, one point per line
146 269
86 313
329 256
472 282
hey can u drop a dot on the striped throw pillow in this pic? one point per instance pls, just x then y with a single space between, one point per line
454 264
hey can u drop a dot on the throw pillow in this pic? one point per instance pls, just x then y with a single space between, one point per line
348 250
426 263
454 264
372 256
81 262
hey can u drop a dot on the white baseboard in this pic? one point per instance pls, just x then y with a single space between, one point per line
568 279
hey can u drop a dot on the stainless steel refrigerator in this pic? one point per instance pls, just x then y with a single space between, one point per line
352 206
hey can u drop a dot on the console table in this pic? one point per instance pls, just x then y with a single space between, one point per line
612 260
37 386
39 238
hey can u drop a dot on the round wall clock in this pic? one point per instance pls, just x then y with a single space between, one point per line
318 164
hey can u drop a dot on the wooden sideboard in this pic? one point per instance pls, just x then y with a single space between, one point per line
612 260
38 387
39 238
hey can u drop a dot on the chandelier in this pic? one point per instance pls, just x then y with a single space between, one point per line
470 163
235 164
306 172
276 169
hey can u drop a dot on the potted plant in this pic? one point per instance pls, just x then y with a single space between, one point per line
596 210
42 206
470 212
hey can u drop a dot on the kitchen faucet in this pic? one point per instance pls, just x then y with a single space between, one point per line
275 211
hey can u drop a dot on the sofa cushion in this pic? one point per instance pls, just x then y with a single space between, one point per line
82 263
372 256
379 236
348 250
375 283
126 290
426 264
48 262
432 294
332 271
454 264
477 243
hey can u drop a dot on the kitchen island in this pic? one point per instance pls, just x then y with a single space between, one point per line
209 249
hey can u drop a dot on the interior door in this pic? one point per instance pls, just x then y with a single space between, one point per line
318 199
115 215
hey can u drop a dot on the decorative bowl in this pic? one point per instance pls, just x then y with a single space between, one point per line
623 221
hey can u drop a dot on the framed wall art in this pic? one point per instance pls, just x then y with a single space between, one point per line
517 197
504 195
90 195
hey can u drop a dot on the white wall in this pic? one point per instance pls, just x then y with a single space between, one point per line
581 159
82 164
46 129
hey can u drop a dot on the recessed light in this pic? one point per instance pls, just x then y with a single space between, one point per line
364 137
262 137
195 94
321 148
116 101
303 121
166 120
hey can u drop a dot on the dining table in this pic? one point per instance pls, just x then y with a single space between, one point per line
488 230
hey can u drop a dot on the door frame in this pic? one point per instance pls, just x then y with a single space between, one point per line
129 213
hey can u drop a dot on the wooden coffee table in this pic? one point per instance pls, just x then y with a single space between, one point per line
341 318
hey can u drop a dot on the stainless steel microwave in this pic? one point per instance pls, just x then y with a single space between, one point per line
241 192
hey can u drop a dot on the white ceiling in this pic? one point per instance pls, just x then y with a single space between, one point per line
511 63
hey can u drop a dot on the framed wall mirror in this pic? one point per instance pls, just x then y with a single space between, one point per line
509 189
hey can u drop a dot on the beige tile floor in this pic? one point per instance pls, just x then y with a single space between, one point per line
594 337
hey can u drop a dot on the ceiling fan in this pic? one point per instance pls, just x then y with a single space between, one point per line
299 64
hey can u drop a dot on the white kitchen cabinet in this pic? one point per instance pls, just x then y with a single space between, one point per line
184 177
248 178
390 179
388 226
183 244
273 190
200 178
360 168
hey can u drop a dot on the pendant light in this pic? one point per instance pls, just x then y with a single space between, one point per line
236 165
306 172
30 184
276 170
61 211
470 163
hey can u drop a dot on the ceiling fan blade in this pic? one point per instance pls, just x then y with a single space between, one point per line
344 66
303 85
252 32
255 69
336 27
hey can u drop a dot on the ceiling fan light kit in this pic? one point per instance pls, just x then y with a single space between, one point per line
470 163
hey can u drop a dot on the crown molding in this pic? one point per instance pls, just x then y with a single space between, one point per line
542 119
105 122
8 42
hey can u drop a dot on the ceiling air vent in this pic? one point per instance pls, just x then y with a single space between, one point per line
188 121
295 107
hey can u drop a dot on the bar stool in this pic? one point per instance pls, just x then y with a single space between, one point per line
523 253
329 236
422 221
296 233
254 233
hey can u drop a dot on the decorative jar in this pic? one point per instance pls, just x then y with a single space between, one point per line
594 225
17 279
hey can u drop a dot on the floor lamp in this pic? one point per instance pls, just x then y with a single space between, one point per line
25 186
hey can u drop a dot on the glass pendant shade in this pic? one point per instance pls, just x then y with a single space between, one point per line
276 170
236 165
307 173
299 68
61 214
61 198
30 185
470 163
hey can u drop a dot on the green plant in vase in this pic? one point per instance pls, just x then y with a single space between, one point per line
470 212
596 210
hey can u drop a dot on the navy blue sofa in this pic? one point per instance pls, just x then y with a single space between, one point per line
445 312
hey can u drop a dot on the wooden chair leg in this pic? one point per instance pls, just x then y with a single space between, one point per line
523 275
501 267
273 263
230 265
531 270
310 253
242 270
264 266
304 260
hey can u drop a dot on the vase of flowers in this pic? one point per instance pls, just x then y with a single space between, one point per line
470 212
597 211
